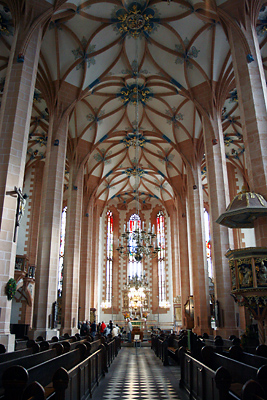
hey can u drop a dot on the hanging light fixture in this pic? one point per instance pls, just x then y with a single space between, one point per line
135 241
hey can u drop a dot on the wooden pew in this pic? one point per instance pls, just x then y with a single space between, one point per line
202 382
81 380
174 343
205 383
236 353
19 353
30 360
77 382
219 344
17 377
240 372
168 345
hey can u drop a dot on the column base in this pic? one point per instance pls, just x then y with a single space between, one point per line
225 333
199 330
47 334
71 331
8 341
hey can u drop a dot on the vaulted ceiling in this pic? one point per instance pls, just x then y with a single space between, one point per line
141 73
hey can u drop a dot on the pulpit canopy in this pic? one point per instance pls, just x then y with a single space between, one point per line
243 210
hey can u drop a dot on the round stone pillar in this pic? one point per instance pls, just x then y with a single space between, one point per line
71 275
49 238
221 237
198 253
15 118
252 101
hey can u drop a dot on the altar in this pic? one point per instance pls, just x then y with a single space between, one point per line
137 331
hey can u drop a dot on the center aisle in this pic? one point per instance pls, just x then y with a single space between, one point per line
139 374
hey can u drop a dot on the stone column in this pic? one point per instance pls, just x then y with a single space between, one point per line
49 238
34 227
71 271
184 259
14 129
95 256
252 101
198 252
176 283
232 193
85 276
221 237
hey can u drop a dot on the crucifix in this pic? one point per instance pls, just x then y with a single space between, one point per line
21 203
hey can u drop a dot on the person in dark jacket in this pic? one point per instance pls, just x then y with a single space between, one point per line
93 329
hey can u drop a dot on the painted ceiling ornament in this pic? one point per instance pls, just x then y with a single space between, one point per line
96 118
80 53
233 97
204 171
6 28
134 139
134 70
161 185
187 54
37 97
135 171
174 118
135 20
103 157
262 22
166 158
40 139
133 93
35 153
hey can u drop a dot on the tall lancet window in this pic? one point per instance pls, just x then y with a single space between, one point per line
208 243
109 264
161 258
62 250
134 266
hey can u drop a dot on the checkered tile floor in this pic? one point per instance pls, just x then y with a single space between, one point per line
138 374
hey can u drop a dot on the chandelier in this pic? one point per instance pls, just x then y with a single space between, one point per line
164 304
105 304
136 282
137 287
135 240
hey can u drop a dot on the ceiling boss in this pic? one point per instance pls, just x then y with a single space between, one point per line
135 20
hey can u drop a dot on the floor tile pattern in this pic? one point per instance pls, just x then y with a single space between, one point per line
139 374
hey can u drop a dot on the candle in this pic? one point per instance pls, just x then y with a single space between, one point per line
124 227
153 229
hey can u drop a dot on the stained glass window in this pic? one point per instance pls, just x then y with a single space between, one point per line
134 266
161 257
61 250
208 242
109 264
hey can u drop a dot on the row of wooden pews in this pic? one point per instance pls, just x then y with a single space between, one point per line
166 346
215 368
219 369
60 369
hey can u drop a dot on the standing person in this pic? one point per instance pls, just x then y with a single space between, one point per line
102 328
114 331
110 325
93 329
83 330
129 329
